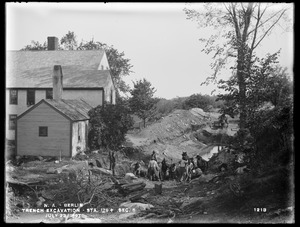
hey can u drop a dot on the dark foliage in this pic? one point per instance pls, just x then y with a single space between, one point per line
109 125
142 101
204 102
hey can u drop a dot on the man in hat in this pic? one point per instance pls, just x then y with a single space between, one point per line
153 156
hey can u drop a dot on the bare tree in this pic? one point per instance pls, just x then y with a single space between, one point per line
239 29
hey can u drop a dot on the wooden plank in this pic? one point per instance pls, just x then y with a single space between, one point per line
97 170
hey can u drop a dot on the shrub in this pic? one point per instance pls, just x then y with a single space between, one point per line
108 126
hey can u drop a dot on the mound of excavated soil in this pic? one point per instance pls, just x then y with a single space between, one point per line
175 133
170 136
174 125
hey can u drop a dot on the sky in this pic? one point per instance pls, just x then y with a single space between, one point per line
162 45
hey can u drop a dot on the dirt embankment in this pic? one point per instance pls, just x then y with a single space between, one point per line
181 131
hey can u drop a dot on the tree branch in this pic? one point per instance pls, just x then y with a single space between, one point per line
227 9
269 29
247 19
256 27
265 20
236 24
243 7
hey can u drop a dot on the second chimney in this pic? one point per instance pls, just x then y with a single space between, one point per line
57 82
52 43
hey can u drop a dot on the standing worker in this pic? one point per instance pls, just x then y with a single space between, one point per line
153 170
112 159
153 156
182 169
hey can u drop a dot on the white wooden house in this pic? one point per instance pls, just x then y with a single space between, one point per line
53 128
86 75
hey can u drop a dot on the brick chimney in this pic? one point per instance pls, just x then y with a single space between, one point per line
57 82
52 43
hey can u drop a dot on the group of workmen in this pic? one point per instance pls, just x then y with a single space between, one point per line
184 170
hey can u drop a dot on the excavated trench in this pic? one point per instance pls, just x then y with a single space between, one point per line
208 199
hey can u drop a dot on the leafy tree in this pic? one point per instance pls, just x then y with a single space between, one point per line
178 102
35 45
109 125
198 101
163 107
270 128
271 85
90 45
141 102
119 65
69 41
267 82
244 27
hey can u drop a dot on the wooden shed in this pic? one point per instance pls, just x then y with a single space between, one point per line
53 128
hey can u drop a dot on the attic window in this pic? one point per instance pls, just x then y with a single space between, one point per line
43 131
102 67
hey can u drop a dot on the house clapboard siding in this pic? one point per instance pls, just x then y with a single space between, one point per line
86 75
30 143
55 90
93 96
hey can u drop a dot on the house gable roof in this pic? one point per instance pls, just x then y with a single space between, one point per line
74 110
26 69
